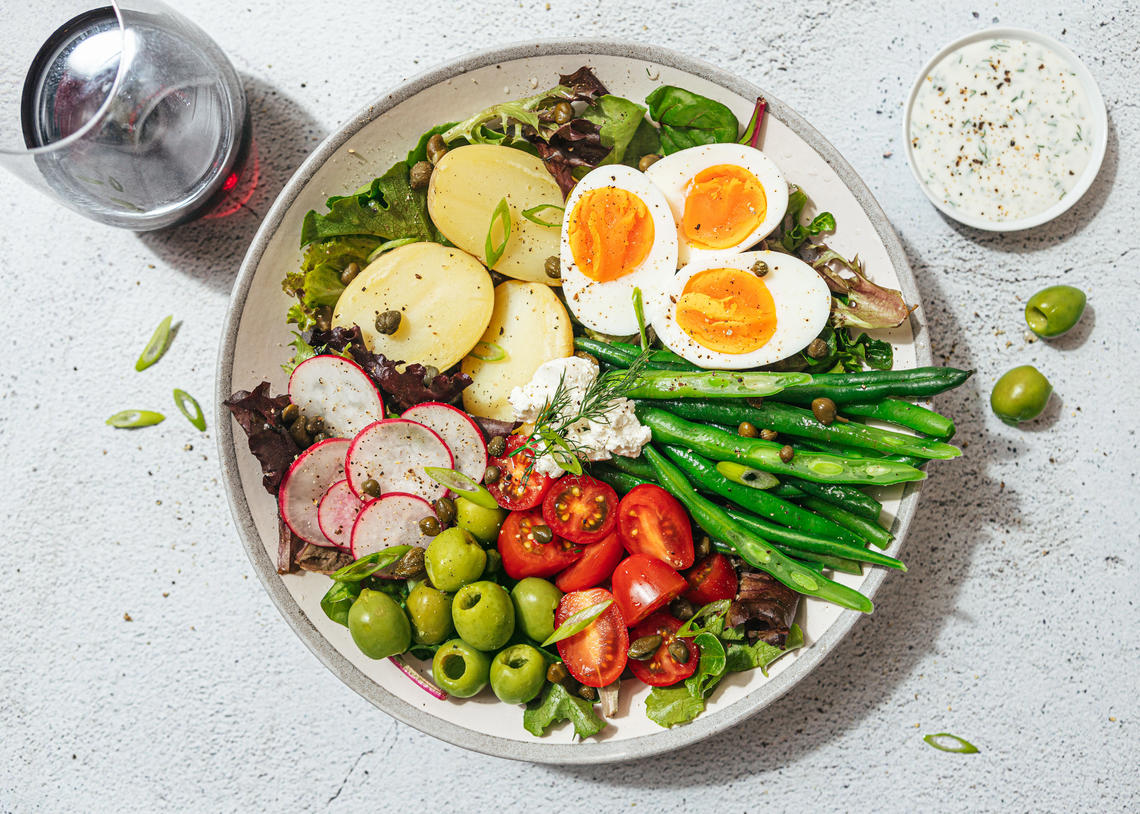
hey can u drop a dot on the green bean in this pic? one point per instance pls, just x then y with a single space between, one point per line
662 355
623 482
905 414
704 474
609 353
874 385
847 497
753 523
667 384
633 466
873 532
818 467
789 420
752 548
840 564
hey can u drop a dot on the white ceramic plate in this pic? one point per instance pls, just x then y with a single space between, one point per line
254 346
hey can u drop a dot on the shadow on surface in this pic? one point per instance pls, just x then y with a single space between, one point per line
956 514
211 249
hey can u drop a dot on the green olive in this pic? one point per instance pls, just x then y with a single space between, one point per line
535 601
453 559
518 674
378 625
482 522
1020 395
483 615
459 669
1054 310
430 612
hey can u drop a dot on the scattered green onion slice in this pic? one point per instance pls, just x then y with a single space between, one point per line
189 407
639 310
501 216
488 352
746 475
462 485
945 742
368 565
133 419
389 245
157 345
578 622
532 215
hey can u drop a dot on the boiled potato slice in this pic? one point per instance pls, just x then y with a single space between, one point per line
444 296
531 325
468 184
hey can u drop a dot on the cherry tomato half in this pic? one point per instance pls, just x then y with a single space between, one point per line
642 584
524 556
595 566
661 669
711 579
515 489
580 508
651 521
597 655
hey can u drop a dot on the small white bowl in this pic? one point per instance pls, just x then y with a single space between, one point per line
1097 113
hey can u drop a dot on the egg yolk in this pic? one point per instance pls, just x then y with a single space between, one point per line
727 310
724 204
611 233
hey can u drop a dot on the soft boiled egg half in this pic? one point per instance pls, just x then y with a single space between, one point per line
617 235
724 198
741 311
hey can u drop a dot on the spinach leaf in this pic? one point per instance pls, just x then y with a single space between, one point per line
645 141
618 121
337 602
389 208
688 119
669 706
710 668
739 657
710 619
796 234
559 705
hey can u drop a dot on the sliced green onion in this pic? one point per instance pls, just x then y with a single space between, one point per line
133 419
577 622
945 742
532 215
639 310
190 408
368 565
501 216
389 245
157 345
747 476
462 485
494 352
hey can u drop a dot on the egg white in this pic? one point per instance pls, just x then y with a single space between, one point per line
800 295
674 173
608 307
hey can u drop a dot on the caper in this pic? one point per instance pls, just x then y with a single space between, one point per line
648 161
556 673
787 453
321 436
436 148
322 317
747 430
314 425
768 435
563 112
430 372
643 649
429 526
445 510
297 430
759 268
818 348
589 693
497 446
492 475
823 409
290 413
388 322
371 487
349 273
419 176
679 651
411 565
494 563
704 546
542 534
683 609
553 267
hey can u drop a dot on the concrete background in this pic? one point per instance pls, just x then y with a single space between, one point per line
144 669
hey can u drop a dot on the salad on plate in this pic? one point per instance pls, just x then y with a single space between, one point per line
581 397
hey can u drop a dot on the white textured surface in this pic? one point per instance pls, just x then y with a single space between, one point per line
1016 626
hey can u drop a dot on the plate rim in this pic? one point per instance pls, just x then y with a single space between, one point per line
579 753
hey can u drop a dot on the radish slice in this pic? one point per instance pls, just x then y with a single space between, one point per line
339 391
458 431
336 513
393 519
310 476
394 452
